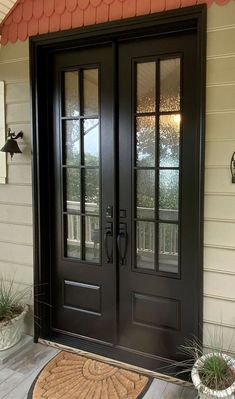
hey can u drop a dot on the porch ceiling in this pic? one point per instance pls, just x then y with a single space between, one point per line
5 6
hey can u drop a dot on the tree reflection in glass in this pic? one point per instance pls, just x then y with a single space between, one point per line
145 141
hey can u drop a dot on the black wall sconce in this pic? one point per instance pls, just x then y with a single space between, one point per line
232 167
11 144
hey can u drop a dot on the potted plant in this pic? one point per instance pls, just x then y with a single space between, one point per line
13 308
212 373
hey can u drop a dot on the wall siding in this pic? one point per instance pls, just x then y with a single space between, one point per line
16 235
16 251
219 228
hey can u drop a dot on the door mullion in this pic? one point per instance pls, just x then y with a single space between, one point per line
82 171
157 124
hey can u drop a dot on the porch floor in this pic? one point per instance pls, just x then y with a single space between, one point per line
17 375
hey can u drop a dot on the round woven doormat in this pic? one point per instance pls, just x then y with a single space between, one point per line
71 376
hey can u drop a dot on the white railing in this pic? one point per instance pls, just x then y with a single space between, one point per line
168 232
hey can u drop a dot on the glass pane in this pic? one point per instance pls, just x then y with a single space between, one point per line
91 92
168 194
73 238
170 85
168 248
72 143
145 243
92 244
145 194
92 191
91 142
145 141
71 97
146 87
73 188
169 140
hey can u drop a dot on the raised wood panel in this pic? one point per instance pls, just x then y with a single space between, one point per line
220 70
221 207
14 51
14 71
220 125
219 311
22 273
83 297
220 42
219 258
16 194
219 152
221 16
15 214
223 335
217 233
19 173
19 112
16 233
16 253
17 91
219 285
219 180
220 97
156 312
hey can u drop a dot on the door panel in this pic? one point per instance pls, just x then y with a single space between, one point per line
157 138
126 168
84 286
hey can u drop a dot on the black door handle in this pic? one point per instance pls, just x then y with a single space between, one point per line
122 241
108 242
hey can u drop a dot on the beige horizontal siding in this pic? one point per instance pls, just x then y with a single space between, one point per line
219 233
220 71
15 194
218 152
19 173
218 180
16 253
220 125
13 213
220 16
23 273
221 98
220 207
220 42
217 257
17 91
16 231
219 334
219 227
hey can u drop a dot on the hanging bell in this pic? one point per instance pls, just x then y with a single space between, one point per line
11 144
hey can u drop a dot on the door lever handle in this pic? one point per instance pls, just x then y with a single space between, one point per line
122 241
108 242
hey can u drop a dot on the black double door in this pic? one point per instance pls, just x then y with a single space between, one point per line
125 175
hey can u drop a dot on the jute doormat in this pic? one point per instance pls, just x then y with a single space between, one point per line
72 376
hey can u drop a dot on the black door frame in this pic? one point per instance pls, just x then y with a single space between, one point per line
41 50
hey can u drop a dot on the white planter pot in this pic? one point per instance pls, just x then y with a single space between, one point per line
12 330
205 392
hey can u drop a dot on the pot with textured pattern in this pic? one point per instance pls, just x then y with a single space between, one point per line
227 383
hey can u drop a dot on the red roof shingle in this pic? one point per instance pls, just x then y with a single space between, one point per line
32 17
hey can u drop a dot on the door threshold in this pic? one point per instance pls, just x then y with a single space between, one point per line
118 363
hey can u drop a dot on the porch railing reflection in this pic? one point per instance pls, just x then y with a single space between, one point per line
168 232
